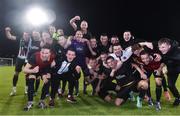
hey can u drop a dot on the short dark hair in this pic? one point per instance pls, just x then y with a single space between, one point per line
104 34
103 52
144 53
164 40
109 57
114 36
92 58
93 37
70 49
116 44
79 30
46 46
127 31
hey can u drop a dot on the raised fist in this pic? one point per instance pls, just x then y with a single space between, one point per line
77 18
7 29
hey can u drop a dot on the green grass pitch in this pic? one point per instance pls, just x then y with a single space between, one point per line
86 105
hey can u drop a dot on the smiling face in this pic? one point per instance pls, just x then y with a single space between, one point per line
78 35
52 30
60 32
84 25
36 36
93 42
26 36
104 40
70 55
103 57
92 63
45 54
145 58
127 36
117 50
111 63
114 40
164 47
62 41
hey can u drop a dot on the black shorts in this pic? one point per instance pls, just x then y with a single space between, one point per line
19 64
154 73
37 75
136 75
107 86
124 91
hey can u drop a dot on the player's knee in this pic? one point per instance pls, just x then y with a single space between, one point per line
108 98
16 73
143 85
158 81
118 101
44 76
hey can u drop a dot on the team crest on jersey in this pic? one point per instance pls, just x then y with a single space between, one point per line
120 76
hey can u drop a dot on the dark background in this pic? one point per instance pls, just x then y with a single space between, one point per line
147 19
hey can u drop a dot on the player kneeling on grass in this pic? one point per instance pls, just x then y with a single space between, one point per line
39 65
91 74
68 70
125 82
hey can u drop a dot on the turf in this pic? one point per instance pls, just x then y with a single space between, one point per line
87 104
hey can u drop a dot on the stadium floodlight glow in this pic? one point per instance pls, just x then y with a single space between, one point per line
36 16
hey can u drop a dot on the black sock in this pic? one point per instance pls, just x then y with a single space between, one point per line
37 85
142 93
158 93
15 79
164 84
27 79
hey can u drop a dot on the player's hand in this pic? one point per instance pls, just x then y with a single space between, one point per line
53 64
112 72
7 29
36 69
48 76
143 76
118 87
78 69
95 75
157 72
94 53
91 71
77 18
157 57
45 79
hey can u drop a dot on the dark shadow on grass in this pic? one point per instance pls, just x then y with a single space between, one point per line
85 100
102 102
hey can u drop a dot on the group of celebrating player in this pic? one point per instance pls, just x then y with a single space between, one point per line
121 66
